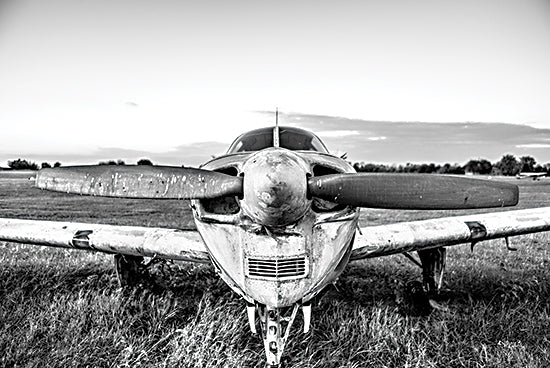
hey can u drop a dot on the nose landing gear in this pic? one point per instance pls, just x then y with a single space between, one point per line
275 325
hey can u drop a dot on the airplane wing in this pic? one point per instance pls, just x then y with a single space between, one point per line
382 240
173 244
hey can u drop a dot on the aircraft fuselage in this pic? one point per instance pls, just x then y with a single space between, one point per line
276 245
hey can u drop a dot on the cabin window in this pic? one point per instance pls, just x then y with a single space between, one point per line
290 138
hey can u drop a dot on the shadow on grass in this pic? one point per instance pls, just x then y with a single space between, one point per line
370 284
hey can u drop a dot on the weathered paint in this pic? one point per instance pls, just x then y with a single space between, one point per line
131 240
377 241
275 187
159 182
323 245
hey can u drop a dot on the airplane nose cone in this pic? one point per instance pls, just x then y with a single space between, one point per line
275 187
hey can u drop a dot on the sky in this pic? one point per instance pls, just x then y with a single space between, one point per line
89 80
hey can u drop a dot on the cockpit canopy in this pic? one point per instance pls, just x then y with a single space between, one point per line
294 139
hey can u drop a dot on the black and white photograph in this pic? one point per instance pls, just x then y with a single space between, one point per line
290 184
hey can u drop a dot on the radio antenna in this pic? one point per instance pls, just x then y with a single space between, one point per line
276 130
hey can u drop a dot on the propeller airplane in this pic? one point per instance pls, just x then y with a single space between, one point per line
277 216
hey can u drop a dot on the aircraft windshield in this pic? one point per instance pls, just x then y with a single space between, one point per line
290 138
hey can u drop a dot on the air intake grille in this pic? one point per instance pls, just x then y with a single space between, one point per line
277 268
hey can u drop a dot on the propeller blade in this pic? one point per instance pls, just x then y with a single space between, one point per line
413 191
142 181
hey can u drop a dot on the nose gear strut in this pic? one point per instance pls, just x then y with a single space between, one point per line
275 324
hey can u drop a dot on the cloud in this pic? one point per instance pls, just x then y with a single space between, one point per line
337 133
411 141
193 154
533 145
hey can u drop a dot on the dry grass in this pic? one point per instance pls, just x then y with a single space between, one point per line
64 308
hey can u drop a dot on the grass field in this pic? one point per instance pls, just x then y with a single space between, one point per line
63 308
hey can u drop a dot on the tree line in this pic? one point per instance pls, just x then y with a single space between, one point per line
21 164
508 165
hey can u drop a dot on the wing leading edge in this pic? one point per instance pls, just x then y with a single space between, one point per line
173 244
402 237
186 245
